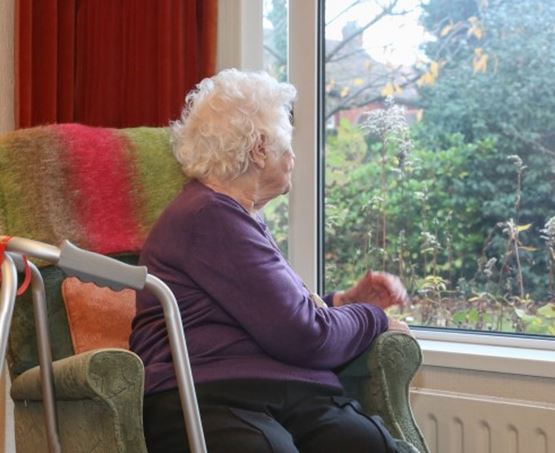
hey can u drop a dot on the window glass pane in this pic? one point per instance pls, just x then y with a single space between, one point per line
275 63
440 156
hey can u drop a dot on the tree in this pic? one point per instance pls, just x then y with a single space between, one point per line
275 41
494 83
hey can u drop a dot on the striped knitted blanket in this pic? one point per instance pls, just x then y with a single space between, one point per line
100 188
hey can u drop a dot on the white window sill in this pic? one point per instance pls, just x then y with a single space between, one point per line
493 353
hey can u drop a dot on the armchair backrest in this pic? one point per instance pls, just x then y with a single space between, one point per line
100 188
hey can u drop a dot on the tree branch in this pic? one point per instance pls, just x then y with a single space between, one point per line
350 103
387 10
274 53
346 55
347 8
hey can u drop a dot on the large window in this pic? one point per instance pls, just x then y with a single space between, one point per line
276 30
440 156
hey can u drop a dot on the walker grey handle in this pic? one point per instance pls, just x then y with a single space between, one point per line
100 269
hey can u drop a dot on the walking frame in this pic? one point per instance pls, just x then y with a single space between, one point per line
103 271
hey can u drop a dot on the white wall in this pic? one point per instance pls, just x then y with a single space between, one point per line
239 35
6 124
6 65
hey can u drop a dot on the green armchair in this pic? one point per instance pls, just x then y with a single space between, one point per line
102 189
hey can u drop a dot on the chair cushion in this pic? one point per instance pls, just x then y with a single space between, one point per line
22 342
97 317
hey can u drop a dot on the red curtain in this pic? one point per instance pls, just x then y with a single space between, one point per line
110 63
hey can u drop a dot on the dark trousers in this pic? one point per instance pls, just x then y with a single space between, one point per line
259 416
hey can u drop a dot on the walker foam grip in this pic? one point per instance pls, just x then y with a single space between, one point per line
100 269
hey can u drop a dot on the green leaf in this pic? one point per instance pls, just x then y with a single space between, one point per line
521 228
547 311
473 315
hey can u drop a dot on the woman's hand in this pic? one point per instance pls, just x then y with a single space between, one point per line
376 288
399 326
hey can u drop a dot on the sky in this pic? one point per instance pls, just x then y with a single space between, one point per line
392 40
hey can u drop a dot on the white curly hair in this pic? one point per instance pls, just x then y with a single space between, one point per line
228 115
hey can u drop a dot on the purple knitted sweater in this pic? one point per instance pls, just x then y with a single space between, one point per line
246 314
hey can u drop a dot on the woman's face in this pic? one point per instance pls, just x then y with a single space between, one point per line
276 176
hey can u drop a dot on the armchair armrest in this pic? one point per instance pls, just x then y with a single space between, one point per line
103 381
98 374
379 379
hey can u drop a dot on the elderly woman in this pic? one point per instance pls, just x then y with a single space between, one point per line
262 347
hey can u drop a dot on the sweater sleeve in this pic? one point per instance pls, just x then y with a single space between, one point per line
328 299
236 264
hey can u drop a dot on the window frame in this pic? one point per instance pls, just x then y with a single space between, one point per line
305 200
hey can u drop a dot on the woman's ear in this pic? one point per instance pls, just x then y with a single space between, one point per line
258 154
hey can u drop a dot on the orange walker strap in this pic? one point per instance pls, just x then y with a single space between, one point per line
27 280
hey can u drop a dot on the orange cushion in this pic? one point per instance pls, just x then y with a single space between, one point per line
97 317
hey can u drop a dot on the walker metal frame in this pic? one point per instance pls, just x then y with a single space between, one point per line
103 271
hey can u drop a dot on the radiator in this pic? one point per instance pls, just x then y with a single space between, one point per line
466 423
